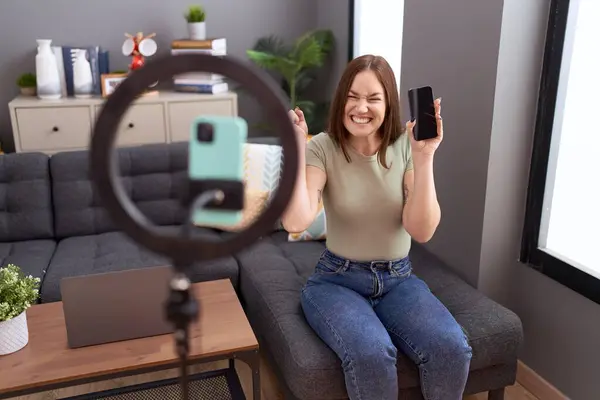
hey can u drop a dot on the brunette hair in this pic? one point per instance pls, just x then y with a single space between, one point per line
391 128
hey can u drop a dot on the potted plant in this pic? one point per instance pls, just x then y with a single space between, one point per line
299 65
27 82
17 293
196 22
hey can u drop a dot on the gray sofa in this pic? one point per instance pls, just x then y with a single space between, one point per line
53 226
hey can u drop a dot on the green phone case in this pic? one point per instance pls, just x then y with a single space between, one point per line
221 158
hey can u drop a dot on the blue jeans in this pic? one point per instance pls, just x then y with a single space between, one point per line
367 311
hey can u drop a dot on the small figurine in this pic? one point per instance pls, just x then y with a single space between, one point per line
138 47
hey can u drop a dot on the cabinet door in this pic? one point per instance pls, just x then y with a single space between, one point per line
181 115
54 128
141 124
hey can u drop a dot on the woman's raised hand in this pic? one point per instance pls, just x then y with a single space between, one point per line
300 127
427 147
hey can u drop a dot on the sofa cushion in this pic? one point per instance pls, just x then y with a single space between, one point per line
153 177
32 256
114 251
25 199
272 273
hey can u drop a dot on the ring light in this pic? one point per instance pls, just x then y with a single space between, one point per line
105 169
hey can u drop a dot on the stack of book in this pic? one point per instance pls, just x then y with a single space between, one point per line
200 82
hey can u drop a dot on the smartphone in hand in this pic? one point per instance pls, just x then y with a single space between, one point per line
216 151
422 110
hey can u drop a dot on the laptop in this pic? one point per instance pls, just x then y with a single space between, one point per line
115 306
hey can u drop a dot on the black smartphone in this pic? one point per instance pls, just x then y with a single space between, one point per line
422 110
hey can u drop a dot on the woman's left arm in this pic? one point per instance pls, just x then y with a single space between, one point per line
421 214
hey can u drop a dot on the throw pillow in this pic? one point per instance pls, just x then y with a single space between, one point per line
318 229
262 166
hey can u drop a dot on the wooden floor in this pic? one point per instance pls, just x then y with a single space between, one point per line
269 388
516 392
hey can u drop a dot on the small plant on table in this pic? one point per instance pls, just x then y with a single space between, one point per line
195 18
195 14
28 83
17 293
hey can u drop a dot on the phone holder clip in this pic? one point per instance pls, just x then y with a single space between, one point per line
229 193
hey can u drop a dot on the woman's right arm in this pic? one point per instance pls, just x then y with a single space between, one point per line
304 204
308 190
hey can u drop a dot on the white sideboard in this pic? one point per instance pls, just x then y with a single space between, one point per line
51 126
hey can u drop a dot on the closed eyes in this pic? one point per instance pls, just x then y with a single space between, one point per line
373 99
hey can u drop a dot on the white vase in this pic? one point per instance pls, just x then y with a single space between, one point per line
83 84
46 70
14 334
197 30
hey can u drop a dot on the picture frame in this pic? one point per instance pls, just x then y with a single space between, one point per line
109 82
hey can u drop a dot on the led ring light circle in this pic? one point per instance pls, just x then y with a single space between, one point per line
105 167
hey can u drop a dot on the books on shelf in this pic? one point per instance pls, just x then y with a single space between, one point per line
65 57
198 81
198 51
198 77
207 88
217 44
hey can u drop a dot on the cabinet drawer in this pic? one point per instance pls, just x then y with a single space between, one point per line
141 124
182 114
52 128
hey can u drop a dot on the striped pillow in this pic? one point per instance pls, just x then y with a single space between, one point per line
262 166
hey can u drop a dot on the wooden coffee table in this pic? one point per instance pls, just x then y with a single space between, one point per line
46 363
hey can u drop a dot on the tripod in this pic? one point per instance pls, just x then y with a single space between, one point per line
182 307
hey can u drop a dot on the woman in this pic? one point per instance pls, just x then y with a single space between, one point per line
378 191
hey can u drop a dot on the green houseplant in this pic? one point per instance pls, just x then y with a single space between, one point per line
298 65
17 293
27 83
195 18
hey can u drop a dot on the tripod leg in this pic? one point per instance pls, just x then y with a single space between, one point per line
181 342
182 308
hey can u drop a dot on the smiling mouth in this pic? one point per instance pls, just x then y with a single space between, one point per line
360 120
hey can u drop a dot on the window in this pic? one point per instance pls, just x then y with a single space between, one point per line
561 235
367 17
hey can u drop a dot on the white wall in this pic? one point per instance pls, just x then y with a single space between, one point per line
378 27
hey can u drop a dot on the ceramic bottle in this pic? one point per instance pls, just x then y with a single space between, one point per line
46 70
